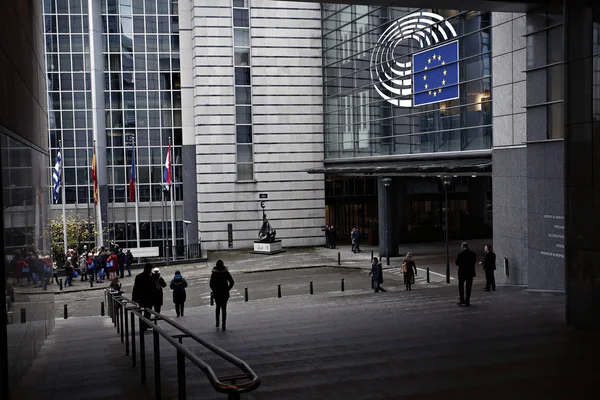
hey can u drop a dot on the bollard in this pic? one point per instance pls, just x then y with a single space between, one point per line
506 270
212 299
372 255
91 282
311 288
342 284
102 309
428 280
339 258
23 315
45 284
245 294
65 311
279 291
60 285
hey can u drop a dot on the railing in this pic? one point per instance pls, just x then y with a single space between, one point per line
120 306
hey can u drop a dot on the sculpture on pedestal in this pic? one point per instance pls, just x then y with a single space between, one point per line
267 233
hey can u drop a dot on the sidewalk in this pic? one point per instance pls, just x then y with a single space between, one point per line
244 261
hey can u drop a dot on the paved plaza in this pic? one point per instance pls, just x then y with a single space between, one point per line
353 345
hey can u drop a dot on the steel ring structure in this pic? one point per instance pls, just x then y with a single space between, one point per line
393 79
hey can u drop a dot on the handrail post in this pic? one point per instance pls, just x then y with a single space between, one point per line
133 360
157 391
121 311
126 331
182 395
142 353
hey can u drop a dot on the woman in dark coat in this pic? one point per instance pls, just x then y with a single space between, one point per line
158 283
376 276
409 268
178 285
221 283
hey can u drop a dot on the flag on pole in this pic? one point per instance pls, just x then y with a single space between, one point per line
167 169
56 177
132 175
95 176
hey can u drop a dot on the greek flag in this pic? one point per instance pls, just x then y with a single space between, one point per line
56 177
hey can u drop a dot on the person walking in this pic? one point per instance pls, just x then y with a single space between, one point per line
158 283
466 272
178 285
356 240
489 266
128 261
221 283
376 275
142 291
409 270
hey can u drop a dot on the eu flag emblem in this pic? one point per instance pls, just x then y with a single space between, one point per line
435 74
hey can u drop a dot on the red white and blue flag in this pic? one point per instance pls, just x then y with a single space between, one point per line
167 172
132 175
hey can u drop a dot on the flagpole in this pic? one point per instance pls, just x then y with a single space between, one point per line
62 183
173 240
136 191
97 206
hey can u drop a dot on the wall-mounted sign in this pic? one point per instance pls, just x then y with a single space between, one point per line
395 76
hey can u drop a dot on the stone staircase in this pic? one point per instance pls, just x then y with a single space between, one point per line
353 345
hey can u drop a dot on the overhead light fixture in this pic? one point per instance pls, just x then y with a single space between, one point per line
473 176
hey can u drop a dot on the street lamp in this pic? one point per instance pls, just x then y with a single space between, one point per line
386 184
447 181
185 224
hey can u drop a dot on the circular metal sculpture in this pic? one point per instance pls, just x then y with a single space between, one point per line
393 79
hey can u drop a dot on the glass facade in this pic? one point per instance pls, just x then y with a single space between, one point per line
359 122
142 103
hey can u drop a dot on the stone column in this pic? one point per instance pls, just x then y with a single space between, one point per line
582 176
190 181
394 214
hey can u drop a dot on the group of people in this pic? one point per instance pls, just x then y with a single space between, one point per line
97 265
148 291
331 238
466 261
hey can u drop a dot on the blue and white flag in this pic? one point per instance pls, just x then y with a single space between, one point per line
435 74
56 178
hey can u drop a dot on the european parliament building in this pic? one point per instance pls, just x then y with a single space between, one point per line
348 115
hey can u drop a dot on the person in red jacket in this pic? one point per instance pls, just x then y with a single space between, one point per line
112 262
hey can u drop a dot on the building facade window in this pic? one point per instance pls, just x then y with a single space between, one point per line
243 90
359 122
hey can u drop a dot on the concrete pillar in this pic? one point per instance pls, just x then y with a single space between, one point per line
476 205
395 214
190 181
98 110
582 177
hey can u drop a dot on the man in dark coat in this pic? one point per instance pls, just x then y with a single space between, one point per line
356 240
121 260
221 283
466 272
332 236
178 285
143 290
489 265
158 283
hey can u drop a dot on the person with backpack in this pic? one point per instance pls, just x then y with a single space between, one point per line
69 272
91 267
178 285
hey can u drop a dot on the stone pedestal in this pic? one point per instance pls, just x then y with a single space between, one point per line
268 248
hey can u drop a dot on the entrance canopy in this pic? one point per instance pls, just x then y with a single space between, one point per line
476 166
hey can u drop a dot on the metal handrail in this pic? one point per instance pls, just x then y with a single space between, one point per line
232 389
